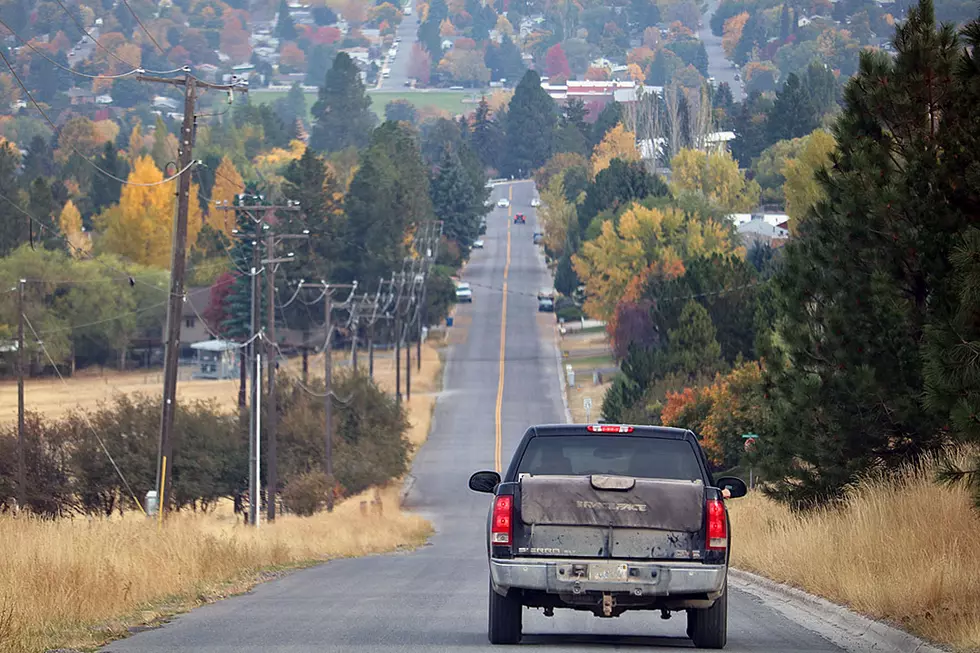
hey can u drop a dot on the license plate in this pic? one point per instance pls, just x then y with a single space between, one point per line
608 572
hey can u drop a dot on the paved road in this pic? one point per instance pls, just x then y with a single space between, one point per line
408 32
434 600
718 66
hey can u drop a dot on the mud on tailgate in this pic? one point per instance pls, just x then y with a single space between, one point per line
575 501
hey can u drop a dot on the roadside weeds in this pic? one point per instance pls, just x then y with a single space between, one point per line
903 550
84 582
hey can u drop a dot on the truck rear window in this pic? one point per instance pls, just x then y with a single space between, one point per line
640 457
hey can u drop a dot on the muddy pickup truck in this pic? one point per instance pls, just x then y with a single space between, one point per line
607 518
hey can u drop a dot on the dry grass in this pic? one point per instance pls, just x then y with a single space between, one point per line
53 399
584 387
91 579
81 583
905 551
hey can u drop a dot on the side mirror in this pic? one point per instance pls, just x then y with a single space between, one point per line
734 485
486 482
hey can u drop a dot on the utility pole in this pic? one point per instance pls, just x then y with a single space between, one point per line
272 466
178 263
328 377
21 454
248 206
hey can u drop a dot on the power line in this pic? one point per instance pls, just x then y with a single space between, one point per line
85 417
143 27
62 66
57 132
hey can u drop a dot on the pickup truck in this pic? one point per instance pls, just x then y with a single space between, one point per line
606 518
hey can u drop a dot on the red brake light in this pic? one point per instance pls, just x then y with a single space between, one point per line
502 527
717 539
609 428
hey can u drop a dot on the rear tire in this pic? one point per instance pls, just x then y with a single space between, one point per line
505 617
708 627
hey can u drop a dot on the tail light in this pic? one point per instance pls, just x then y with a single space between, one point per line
717 538
502 528
609 428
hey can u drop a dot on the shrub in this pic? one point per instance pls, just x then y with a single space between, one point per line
306 493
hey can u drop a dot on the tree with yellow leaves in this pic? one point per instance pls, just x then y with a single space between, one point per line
636 73
70 223
447 29
556 214
618 143
732 33
140 227
227 184
715 176
137 145
645 244
801 188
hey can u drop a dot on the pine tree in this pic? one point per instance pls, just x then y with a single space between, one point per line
793 114
162 153
531 119
39 161
342 113
486 136
454 202
41 205
692 347
868 271
784 23
285 27
105 190
238 301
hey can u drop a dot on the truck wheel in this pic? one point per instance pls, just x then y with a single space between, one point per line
505 618
708 627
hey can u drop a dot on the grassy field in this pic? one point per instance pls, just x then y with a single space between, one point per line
79 583
450 101
903 550
587 340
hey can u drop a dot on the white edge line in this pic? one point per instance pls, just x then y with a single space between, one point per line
849 630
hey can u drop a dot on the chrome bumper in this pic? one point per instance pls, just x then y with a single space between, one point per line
555 576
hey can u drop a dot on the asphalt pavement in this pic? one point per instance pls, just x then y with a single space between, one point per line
408 33
434 599
718 66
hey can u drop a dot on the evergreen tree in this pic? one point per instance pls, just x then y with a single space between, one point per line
105 190
161 152
389 194
618 185
428 33
39 161
401 110
610 116
793 114
238 302
822 87
869 271
784 23
41 205
342 113
504 60
693 348
454 202
486 136
285 27
531 118
751 134
16 225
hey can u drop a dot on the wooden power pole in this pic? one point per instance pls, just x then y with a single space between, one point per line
21 453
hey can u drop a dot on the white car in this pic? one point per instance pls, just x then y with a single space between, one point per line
535 202
463 292
503 202
478 244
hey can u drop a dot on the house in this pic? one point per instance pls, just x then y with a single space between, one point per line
163 102
762 228
718 141
193 328
80 96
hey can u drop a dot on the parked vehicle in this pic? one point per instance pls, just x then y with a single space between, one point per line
503 202
606 518
464 293
478 243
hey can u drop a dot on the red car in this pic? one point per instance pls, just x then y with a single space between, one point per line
519 218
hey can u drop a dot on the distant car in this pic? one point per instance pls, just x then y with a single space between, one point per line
519 218
463 292
488 203
737 77
537 238
478 244
546 305
535 202
503 202
483 227
546 293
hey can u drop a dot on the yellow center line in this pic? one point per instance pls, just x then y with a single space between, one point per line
498 443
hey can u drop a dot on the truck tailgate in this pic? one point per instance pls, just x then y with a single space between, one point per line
649 519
